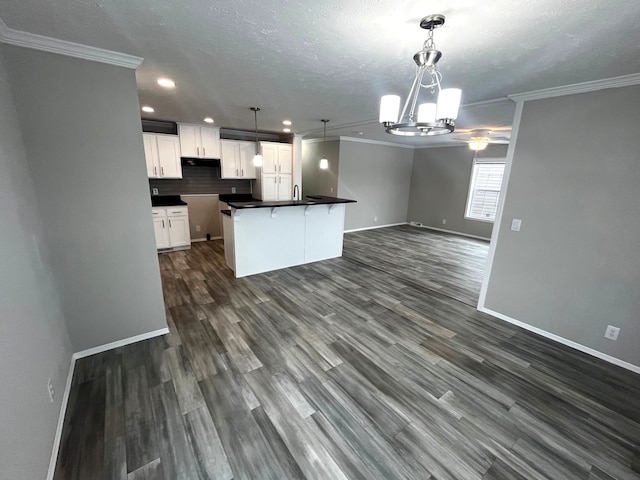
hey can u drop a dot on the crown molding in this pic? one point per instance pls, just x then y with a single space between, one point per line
19 38
584 87
377 142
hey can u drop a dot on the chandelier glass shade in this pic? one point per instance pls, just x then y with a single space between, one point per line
434 117
324 162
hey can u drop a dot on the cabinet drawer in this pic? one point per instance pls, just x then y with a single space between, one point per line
159 212
177 211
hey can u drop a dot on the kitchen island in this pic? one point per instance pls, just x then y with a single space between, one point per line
264 236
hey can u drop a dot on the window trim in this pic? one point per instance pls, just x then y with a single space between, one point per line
475 162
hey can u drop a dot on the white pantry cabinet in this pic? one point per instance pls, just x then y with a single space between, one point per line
236 159
171 227
277 157
162 155
199 142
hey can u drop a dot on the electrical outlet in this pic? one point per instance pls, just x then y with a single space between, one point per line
155 191
612 332
516 223
50 390
331 190
197 228
233 189
375 219
444 221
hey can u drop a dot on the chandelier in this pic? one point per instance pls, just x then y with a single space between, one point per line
435 117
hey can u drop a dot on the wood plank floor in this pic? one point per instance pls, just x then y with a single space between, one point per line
375 365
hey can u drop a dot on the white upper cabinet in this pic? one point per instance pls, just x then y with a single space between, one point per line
162 155
236 159
199 142
277 157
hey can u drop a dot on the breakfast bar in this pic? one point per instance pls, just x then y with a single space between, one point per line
264 236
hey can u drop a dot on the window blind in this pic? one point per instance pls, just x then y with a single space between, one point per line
484 192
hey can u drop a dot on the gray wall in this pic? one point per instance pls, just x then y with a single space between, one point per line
34 344
574 267
314 180
378 177
82 132
440 186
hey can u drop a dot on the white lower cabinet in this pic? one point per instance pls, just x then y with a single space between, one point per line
276 187
171 227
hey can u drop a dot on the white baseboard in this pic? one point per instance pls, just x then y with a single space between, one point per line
563 341
63 411
204 239
120 343
414 224
374 227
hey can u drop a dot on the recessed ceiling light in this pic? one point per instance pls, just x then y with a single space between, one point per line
208 120
166 82
286 122
148 109
286 130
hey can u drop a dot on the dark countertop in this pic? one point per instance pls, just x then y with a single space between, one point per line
309 200
166 201
236 197
226 212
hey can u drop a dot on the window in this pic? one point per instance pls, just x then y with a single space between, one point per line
484 191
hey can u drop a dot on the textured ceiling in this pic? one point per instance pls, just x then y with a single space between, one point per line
306 60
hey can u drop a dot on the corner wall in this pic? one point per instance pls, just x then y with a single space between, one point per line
378 177
314 180
34 343
83 137
440 186
574 267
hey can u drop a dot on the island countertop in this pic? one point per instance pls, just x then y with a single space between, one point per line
309 200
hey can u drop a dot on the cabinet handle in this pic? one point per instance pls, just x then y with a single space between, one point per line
162 223
155 171
236 172
275 179
169 223
198 151
204 152
242 172
162 171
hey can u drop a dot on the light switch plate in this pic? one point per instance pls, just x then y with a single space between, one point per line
612 332
155 191
515 224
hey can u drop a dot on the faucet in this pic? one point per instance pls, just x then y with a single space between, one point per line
296 188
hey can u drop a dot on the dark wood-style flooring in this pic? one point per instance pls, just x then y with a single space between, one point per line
375 365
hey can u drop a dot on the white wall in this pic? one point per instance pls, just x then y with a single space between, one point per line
81 128
379 178
574 267
34 344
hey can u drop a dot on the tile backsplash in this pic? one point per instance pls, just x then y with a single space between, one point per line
199 180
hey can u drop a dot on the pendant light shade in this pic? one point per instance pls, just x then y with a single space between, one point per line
257 158
448 103
324 162
389 108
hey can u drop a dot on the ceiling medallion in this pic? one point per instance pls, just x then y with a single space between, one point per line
433 118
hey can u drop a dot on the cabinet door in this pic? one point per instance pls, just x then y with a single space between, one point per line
189 140
269 186
247 152
229 159
269 157
179 231
151 154
169 156
285 159
209 142
284 187
161 230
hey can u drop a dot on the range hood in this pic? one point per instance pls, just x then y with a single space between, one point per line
200 162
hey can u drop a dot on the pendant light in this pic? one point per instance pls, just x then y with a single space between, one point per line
257 159
324 163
